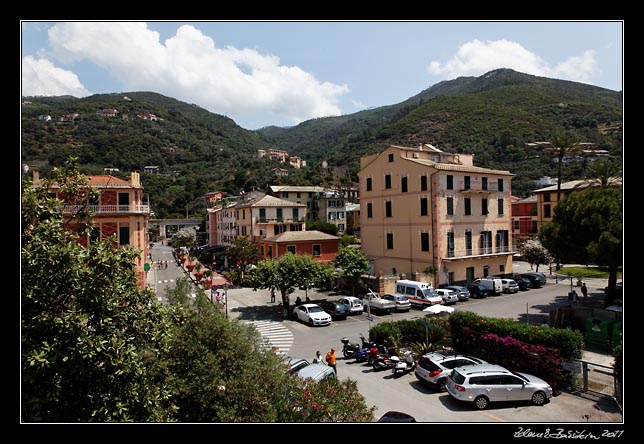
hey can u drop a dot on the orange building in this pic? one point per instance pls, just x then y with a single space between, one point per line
119 211
323 247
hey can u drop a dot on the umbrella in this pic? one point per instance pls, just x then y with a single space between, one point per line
436 309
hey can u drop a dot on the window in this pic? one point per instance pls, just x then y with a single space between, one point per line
500 184
450 244
296 214
424 241
94 235
390 241
124 235
388 208
423 206
500 205
486 270
450 182
391 157
468 206
467 182
534 226
484 210
533 209
501 268
387 181
279 215
469 275
546 197
369 210
262 214
484 183
423 183
403 184
316 250
298 194
450 206
546 211
291 249
369 184
124 202
485 242
468 243
450 278
285 194
502 241
270 251
516 225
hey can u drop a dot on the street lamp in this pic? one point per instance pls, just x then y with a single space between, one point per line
226 298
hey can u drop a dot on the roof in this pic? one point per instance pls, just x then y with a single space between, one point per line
573 184
270 201
455 167
107 181
301 236
296 188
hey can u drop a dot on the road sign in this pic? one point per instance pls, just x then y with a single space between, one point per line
368 318
213 289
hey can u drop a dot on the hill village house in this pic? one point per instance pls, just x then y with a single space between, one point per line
426 210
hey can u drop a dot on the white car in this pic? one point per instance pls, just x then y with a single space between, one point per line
449 296
312 314
509 286
355 304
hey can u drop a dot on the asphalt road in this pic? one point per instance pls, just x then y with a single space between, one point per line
405 393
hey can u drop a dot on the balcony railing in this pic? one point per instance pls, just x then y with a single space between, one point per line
459 253
108 209
476 186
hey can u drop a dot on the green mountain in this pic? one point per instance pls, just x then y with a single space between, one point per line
492 116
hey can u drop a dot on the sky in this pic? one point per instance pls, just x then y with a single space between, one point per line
262 73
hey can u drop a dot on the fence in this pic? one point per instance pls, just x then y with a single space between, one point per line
595 378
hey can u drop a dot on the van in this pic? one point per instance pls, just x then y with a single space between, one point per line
494 286
420 294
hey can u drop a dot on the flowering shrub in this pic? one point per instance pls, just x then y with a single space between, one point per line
331 400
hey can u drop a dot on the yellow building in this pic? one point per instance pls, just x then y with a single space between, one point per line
423 209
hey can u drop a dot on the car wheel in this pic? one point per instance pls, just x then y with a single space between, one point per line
481 402
311 322
442 385
538 398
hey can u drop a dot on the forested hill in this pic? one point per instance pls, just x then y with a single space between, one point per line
492 116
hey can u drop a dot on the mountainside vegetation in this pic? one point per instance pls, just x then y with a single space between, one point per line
493 116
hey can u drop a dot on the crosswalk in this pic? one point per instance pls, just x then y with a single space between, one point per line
277 335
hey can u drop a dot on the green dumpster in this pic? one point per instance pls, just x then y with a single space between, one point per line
617 334
598 332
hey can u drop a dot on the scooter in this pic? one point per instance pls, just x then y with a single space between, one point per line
349 350
380 352
405 365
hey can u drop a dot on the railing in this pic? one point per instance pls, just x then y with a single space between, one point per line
107 209
477 185
477 251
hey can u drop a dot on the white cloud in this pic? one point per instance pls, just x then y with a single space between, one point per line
476 57
190 67
41 78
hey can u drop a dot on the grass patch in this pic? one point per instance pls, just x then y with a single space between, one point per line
587 272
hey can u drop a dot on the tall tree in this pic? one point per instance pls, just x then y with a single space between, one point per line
562 144
242 254
88 331
287 273
534 253
354 264
603 173
587 227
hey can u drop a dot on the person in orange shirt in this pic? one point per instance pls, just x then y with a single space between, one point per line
330 361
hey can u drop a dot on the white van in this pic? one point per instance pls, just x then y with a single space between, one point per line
420 294
494 286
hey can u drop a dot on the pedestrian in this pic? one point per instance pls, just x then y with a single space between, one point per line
584 291
330 361
272 294
318 358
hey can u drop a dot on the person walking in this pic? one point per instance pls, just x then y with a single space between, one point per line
272 294
330 361
318 358
584 291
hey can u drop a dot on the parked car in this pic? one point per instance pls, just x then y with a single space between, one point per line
355 304
536 281
395 416
294 364
523 282
462 292
336 309
449 296
316 372
312 314
402 303
509 286
486 383
493 285
434 368
477 291
420 294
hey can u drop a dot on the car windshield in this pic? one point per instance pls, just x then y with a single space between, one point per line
430 292
315 309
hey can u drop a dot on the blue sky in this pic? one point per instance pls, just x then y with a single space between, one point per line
282 73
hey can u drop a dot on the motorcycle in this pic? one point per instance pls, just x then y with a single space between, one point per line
403 365
381 357
349 350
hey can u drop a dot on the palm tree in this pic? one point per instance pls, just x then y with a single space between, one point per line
603 173
562 145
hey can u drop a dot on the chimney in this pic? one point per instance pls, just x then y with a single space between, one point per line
35 177
135 179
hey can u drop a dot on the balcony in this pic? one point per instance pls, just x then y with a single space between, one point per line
108 209
477 187
478 252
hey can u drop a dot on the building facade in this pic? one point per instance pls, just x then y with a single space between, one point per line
119 211
424 210
298 194
259 216
524 217
322 247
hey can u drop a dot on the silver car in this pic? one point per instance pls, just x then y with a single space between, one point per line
449 296
486 383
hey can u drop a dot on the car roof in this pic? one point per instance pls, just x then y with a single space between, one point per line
309 305
482 368
314 370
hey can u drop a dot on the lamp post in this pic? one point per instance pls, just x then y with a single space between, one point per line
226 298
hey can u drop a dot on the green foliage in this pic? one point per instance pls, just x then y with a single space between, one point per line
88 333
534 253
323 226
288 273
354 264
241 254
